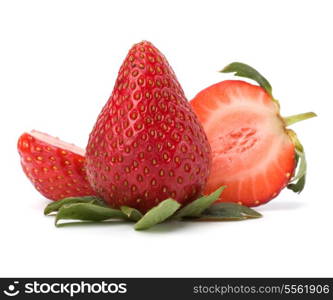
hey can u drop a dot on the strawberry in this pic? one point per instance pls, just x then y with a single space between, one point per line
254 154
147 144
54 167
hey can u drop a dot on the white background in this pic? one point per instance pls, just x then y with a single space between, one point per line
58 63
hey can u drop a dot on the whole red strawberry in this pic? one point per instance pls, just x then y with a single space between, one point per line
55 168
147 144
254 154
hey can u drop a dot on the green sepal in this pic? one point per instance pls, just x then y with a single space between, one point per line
226 211
297 182
131 213
55 206
195 208
158 214
298 118
244 70
88 212
298 186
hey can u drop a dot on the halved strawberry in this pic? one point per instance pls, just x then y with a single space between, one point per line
254 154
54 167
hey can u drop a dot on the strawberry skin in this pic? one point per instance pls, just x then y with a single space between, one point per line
252 152
147 144
55 168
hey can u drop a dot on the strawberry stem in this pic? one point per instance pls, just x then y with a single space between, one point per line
297 118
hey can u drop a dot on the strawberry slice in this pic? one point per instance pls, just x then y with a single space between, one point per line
254 154
54 167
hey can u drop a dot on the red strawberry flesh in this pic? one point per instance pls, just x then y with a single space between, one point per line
252 153
54 167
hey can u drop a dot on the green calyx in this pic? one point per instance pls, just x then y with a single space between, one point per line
92 209
297 182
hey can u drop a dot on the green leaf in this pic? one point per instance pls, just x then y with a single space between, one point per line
195 208
55 206
244 70
158 214
297 182
131 213
88 212
226 211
